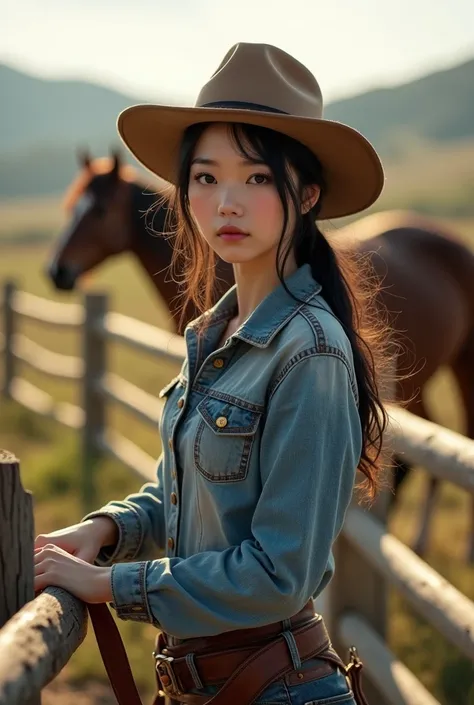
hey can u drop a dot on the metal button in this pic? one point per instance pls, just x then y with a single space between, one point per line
221 422
174 498
170 443
218 362
173 474
171 543
180 402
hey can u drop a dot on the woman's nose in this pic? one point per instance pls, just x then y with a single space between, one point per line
229 205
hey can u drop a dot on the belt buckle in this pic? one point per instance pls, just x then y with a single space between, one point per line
164 669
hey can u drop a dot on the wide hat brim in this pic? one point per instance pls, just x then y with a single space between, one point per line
352 169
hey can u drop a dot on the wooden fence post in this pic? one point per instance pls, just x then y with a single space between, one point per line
16 543
93 402
8 331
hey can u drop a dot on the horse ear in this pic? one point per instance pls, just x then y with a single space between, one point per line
116 162
84 158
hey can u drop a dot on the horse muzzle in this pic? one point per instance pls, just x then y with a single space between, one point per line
63 276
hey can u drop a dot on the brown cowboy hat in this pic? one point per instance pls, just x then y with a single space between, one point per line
262 85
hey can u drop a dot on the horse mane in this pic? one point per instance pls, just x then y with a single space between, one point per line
103 165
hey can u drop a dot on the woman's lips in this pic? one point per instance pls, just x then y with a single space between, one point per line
230 232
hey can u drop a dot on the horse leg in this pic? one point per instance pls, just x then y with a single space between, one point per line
421 542
463 369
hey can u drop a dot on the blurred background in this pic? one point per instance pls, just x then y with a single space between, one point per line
402 73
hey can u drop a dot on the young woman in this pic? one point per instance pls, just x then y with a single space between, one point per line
275 408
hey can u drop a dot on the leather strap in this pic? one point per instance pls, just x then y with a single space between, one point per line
114 655
258 670
269 664
217 666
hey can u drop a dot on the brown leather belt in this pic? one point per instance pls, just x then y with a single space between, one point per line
245 662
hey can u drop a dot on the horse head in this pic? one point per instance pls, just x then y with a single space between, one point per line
99 205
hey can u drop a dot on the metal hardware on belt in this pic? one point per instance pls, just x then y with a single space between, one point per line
355 660
165 669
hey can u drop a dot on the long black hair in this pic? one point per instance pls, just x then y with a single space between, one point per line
342 278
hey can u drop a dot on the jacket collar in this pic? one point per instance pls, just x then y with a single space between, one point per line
272 314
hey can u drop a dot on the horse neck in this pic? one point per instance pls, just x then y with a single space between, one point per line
154 252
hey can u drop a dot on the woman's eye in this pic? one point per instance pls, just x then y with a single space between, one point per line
260 179
205 178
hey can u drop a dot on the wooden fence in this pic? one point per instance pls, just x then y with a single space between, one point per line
369 559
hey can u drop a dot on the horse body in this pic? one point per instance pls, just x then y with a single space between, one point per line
426 276
427 287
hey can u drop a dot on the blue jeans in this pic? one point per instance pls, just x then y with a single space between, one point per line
328 690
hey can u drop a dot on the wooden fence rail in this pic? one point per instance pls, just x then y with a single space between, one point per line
369 558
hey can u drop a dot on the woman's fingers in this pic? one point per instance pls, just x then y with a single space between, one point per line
42 540
48 550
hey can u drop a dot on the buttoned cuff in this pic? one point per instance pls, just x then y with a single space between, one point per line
130 536
129 592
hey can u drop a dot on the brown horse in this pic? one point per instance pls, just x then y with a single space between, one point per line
428 280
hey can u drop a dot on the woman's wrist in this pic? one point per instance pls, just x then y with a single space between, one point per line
103 585
107 529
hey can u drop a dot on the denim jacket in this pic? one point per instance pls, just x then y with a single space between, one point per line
261 440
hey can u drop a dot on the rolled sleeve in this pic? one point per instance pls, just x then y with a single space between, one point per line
129 591
310 449
140 522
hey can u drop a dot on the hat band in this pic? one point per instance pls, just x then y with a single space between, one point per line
242 105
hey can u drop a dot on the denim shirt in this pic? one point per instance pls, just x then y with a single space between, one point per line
261 441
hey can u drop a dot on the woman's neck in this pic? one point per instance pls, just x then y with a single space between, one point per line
255 280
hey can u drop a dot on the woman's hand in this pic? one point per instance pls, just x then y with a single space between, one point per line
55 566
83 540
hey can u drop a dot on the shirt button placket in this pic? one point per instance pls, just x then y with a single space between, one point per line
174 512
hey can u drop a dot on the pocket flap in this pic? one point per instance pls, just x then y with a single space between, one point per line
224 417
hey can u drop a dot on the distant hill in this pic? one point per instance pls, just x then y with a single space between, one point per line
43 113
438 107
43 122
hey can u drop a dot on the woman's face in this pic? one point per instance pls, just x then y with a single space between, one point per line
234 201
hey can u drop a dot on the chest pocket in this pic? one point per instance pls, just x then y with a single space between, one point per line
224 440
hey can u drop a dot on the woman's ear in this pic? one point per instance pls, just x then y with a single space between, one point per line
311 197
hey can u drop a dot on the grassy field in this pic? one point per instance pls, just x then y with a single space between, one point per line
50 469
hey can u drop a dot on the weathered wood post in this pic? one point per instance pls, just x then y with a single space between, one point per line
16 539
37 635
93 402
16 543
8 331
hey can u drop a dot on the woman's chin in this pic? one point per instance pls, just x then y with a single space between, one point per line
232 255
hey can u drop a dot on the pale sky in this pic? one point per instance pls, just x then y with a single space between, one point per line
169 48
